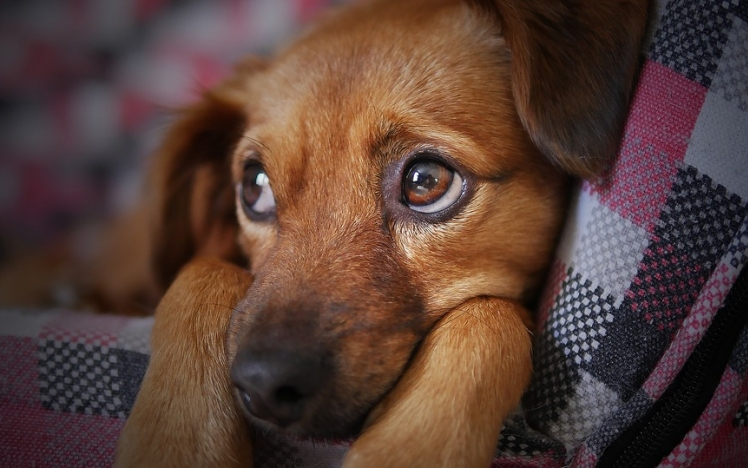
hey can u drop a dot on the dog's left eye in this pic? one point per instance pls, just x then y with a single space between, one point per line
430 186
257 196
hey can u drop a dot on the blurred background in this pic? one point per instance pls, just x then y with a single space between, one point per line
85 91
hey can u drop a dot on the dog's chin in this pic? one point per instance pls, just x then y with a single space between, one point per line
326 425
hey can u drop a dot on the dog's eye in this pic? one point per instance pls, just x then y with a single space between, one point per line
257 196
430 186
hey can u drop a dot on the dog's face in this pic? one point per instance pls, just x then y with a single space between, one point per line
383 170
379 184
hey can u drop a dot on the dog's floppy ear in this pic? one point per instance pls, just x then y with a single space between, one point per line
193 209
573 69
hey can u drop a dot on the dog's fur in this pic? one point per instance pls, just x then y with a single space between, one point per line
414 323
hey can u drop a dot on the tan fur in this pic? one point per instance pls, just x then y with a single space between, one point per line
328 246
432 424
420 321
188 417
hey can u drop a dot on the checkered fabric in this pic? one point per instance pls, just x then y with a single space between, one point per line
67 383
651 251
646 265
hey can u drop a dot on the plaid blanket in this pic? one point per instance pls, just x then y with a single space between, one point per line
641 352
648 273
67 382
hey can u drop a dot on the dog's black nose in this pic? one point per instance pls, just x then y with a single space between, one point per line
276 385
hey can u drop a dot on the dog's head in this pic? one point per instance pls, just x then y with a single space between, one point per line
399 159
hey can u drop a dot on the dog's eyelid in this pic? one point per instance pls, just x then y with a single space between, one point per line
251 156
441 156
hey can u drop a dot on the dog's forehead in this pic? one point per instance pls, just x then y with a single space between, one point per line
436 76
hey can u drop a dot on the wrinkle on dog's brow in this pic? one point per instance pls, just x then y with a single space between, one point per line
265 148
384 136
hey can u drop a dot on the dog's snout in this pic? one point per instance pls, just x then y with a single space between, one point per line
277 385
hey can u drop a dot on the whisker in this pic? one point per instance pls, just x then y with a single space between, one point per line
256 142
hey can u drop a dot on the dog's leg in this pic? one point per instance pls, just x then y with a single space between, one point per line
449 406
185 414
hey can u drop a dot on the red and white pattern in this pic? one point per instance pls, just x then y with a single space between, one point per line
648 261
656 246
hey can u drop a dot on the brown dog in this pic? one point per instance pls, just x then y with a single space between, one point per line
395 177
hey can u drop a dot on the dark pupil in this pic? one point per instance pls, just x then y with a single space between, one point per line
424 180
251 190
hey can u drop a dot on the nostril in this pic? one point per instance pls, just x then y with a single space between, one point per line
256 405
288 395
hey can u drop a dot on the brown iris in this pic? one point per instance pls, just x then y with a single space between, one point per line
426 182
251 189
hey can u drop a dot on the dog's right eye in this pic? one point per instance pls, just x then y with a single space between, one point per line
257 196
